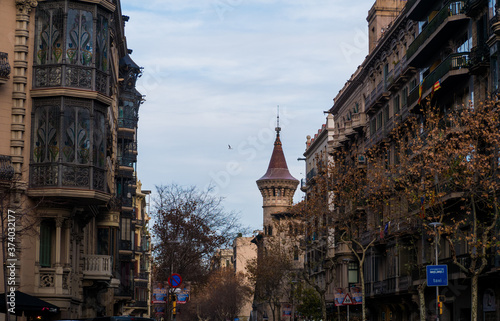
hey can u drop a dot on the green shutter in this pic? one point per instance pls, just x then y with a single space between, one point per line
45 243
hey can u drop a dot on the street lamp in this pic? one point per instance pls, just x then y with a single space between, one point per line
435 225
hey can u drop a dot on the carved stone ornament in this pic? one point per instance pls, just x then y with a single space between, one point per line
25 6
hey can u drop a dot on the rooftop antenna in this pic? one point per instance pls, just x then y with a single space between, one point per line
278 128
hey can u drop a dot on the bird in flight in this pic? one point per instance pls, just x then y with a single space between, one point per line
229 146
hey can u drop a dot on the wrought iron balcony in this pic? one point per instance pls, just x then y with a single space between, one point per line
67 75
97 267
454 62
4 67
479 58
446 22
6 168
62 175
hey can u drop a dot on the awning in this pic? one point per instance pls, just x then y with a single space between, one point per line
26 303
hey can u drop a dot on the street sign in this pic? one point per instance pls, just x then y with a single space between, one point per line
347 300
437 275
175 280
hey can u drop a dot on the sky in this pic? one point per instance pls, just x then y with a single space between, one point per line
215 72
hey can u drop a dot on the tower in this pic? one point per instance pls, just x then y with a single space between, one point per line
380 16
277 186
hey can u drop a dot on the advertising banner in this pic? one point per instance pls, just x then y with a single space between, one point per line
339 296
159 294
356 296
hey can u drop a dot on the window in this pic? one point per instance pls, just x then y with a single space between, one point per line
47 230
49 35
79 44
379 121
125 229
373 126
46 144
352 273
386 114
103 241
404 100
396 105
491 8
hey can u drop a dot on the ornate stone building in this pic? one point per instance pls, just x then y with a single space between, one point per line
440 51
277 188
68 146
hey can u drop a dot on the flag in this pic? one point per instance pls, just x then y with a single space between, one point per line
419 93
436 86
387 227
422 209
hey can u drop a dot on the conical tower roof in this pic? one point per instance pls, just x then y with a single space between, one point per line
277 169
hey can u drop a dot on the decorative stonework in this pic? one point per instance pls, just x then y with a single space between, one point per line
46 279
4 67
19 93
25 6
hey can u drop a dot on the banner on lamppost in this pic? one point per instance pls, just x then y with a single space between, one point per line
159 294
339 297
287 310
356 295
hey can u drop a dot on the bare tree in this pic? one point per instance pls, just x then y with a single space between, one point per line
272 272
219 299
189 226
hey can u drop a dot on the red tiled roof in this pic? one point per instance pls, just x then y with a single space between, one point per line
277 168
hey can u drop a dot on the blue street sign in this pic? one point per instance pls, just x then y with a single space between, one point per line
437 275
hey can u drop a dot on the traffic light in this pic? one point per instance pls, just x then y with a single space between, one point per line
441 299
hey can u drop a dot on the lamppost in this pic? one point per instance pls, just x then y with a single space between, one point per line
435 225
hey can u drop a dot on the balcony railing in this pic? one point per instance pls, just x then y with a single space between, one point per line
4 67
358 120
452 9
58 175
453 62
6 168
62 75
97 267
480 57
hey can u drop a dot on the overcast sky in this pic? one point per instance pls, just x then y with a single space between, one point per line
215 72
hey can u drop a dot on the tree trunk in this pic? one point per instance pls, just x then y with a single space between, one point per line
363 303
473 297
323 306
421 301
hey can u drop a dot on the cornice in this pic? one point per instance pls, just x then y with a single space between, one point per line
70 92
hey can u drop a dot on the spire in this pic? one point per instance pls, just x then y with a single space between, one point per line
277 168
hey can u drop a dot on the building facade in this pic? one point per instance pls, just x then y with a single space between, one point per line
69 116
442 52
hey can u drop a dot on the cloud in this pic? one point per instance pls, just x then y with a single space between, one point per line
214 73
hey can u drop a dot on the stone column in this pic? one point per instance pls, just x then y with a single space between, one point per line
58 265
20 82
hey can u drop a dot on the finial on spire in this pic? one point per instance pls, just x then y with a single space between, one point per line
278 128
